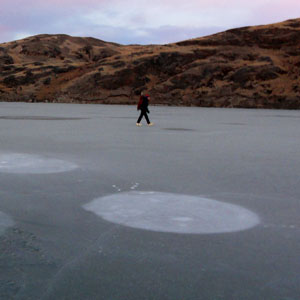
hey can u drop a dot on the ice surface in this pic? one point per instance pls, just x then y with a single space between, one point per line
5 222
249 158
34 164
167 212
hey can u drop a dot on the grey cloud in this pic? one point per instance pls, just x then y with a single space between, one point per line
34 20
162 35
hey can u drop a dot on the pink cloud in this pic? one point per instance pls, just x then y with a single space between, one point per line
272 12
134 21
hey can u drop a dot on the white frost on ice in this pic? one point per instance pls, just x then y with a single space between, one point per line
167 212
5 222
33 164
136 185
116 188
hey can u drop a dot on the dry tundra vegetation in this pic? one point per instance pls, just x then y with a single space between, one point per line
253 67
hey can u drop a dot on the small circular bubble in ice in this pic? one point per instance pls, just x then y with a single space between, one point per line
33 164
5 222
167 212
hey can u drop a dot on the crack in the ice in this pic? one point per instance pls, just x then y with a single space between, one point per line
73 261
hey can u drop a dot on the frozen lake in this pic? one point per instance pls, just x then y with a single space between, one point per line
204 205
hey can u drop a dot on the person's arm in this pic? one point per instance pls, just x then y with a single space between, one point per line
140 103
148 111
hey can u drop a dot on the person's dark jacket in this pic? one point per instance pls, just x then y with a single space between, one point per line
143 104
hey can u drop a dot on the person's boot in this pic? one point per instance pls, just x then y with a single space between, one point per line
138 124
150 124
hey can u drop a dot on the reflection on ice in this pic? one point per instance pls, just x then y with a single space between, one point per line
166 212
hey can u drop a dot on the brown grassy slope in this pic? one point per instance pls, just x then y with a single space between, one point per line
245 67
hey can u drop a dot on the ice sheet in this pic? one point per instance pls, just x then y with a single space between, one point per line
5 222
33 164
168 212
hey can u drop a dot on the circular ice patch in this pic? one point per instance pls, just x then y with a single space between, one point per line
166 212
33 164
5 221
39 118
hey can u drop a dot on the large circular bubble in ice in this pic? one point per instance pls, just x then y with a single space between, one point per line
33 164
167 212
5 222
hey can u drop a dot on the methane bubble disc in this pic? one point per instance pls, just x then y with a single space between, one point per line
5 222
33 164
166 212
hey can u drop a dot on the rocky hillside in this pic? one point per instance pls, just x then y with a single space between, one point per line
245 67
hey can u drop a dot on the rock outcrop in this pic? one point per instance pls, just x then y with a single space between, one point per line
253 67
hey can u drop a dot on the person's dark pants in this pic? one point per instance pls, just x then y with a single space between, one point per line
143 114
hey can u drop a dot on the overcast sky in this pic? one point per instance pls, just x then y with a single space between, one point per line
138 21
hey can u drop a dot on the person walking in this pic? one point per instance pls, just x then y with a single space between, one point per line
143 107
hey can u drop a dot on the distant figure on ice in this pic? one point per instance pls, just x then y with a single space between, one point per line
143 107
